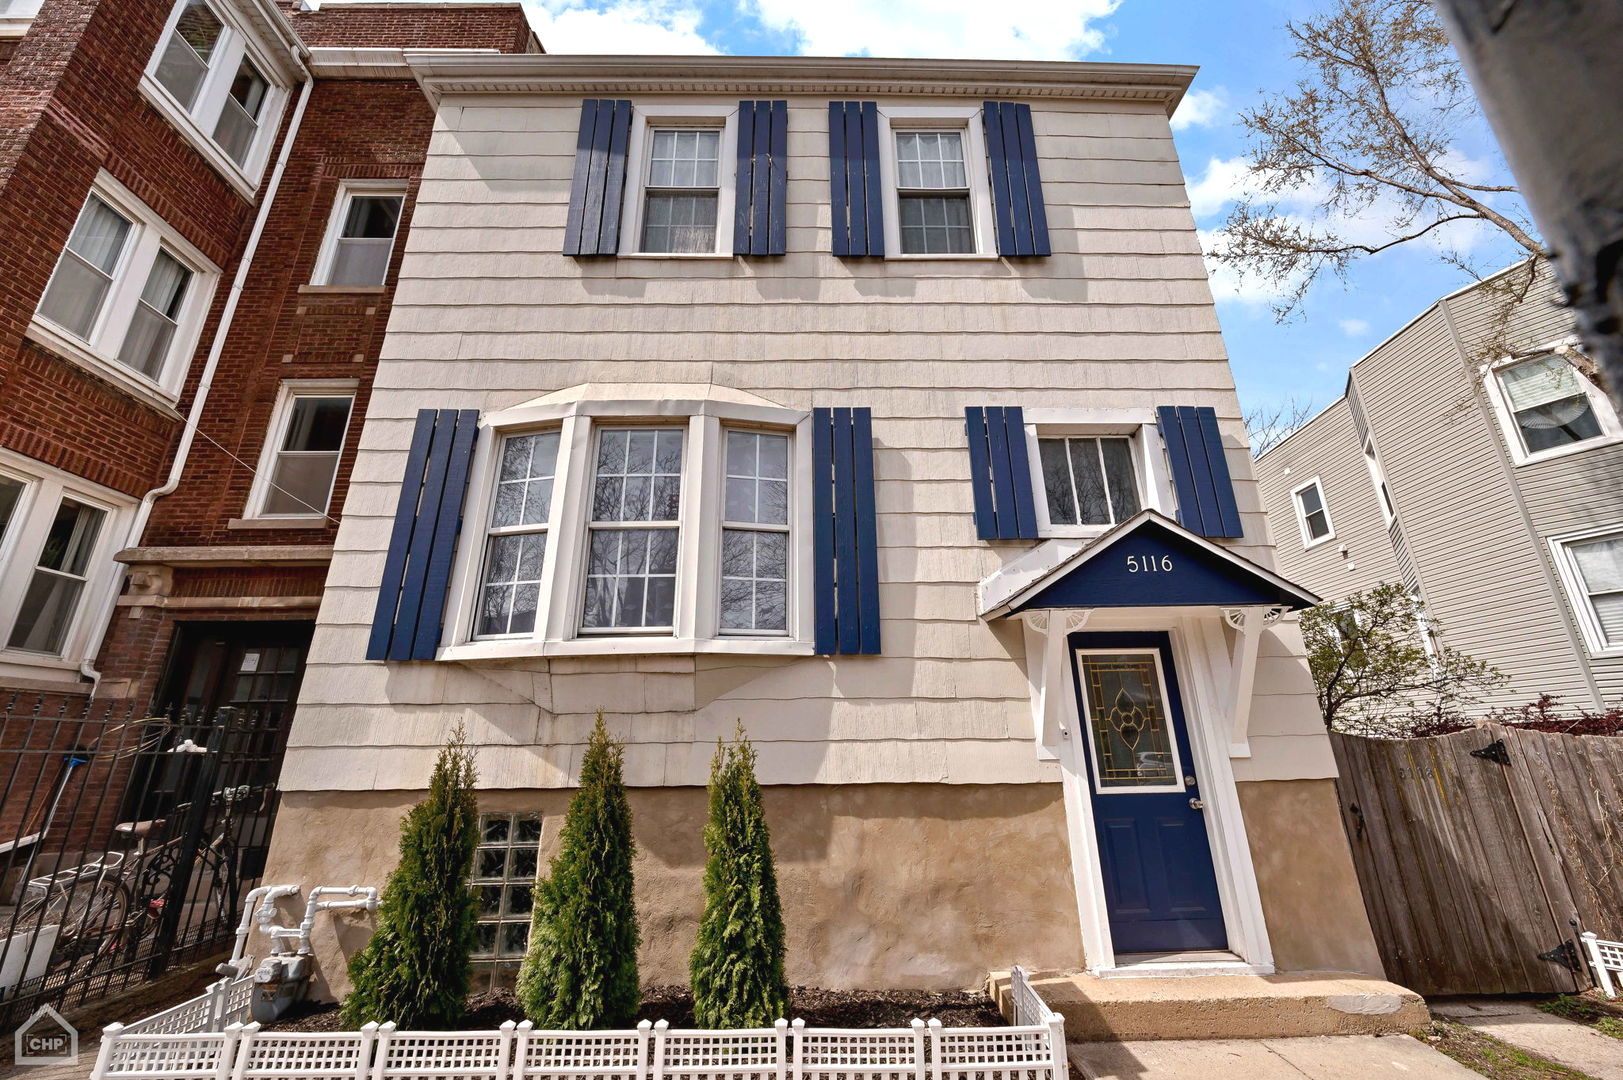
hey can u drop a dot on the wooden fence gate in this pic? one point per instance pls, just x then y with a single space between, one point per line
1483 854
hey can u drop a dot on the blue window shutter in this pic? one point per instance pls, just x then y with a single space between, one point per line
417 571
1000 473
853 169
845 542
593 226
1017 187
763 178
1200 471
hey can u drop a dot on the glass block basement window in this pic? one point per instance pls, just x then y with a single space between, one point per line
504 870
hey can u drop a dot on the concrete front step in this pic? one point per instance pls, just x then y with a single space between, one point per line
1291 1005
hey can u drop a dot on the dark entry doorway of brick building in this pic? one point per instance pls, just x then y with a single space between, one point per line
252 667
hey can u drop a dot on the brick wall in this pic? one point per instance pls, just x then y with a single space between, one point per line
500 25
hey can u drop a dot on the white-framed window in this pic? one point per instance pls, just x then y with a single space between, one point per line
211 78
938 195
128 294
298 464
359 241
57 537
1377 479
1591 566
682 170
1548 408
1312 514
1091 468
636 526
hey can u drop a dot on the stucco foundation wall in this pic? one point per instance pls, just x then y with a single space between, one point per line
883 885
1310 896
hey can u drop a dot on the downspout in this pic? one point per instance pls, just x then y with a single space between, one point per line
194 416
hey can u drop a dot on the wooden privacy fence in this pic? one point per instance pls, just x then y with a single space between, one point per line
1483 854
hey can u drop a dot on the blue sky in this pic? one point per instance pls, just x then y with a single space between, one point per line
1242 51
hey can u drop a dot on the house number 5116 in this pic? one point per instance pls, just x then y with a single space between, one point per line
1149 564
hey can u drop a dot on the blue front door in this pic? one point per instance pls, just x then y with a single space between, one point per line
1160 886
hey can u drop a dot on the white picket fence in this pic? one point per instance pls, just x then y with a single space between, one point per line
1606 957
1033 1049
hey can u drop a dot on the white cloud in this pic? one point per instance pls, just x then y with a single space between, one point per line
1200 108
621 27
1224 181
1019 30
1353 327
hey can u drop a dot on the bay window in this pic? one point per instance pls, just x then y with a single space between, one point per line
127 296
634 526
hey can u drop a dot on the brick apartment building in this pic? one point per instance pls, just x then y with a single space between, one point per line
202 207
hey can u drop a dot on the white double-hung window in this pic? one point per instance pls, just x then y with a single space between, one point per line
210 77
1591 565
1312 514
932 164
636 526
360 234
299 462
1548 408
128 294
681 170
57 536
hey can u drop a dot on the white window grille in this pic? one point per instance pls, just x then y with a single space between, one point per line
755 533
511 592
632 542
683 191
932 193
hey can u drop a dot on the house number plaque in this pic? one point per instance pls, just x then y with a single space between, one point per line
1149 564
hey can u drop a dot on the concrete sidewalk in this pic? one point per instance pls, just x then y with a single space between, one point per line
1565 1042
1325 1057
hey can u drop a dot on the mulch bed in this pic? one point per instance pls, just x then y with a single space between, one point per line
674 1004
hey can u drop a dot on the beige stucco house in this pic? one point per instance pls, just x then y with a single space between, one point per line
1473 460
880 405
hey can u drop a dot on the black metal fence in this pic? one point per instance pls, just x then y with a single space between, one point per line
127 842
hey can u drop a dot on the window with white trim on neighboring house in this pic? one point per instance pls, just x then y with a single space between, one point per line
127 295
57 534
305 441
1594 571
205 74
360 235
598 527
1312 514
1377 477
1550 407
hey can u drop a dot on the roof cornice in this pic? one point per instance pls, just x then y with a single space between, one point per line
445 73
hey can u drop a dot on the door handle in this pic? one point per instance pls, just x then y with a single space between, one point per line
1197 804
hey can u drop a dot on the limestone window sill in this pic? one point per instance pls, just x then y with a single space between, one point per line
343 290
312 521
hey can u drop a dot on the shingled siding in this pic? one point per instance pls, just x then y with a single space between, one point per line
488 314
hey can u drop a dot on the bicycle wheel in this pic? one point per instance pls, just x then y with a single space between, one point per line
87 914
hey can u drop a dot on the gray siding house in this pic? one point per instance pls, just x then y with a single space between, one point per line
880 405
1472 459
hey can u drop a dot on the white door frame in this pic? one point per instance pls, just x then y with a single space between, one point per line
1204 664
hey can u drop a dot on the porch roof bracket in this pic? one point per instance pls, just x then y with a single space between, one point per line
1047 670
1247 624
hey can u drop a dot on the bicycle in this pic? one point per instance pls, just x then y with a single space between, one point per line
111 905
